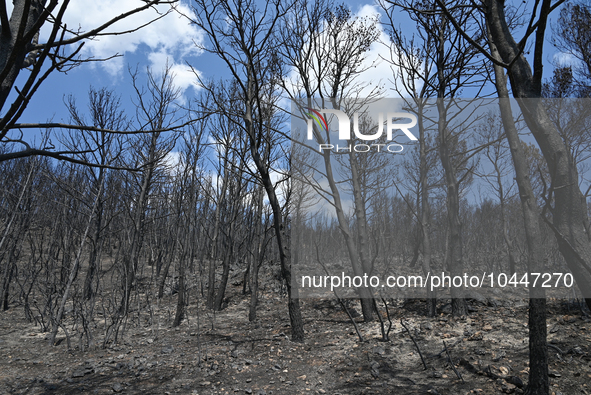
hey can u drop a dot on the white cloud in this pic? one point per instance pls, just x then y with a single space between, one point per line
184 77
172 161
367 11
170 38
377 71
564 58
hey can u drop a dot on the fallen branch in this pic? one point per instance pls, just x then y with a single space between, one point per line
516 381
438 355
382 327
557 349
452 363
416 344
339 299
389 318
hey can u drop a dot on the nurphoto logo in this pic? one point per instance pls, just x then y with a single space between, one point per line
391 124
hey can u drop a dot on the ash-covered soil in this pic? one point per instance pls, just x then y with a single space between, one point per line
224 353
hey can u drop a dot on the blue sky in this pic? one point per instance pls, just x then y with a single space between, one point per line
171 39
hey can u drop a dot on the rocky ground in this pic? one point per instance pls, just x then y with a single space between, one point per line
223 353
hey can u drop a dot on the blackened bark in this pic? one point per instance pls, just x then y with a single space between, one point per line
570 208
228 257
456 264
257 255
131 260
367 301
538 350
15 42
180 305
216 231
456 259
295 315
425 218
96 241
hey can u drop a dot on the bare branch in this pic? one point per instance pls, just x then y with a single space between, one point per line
63 155
97 31
51 125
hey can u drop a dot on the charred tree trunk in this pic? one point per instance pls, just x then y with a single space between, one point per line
425 215
456 258
256 255
538 351
570 207
235 190
216 231
367 303
367 306
456 264
228 257
96 240
181 302
295 315
131 260
7 271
